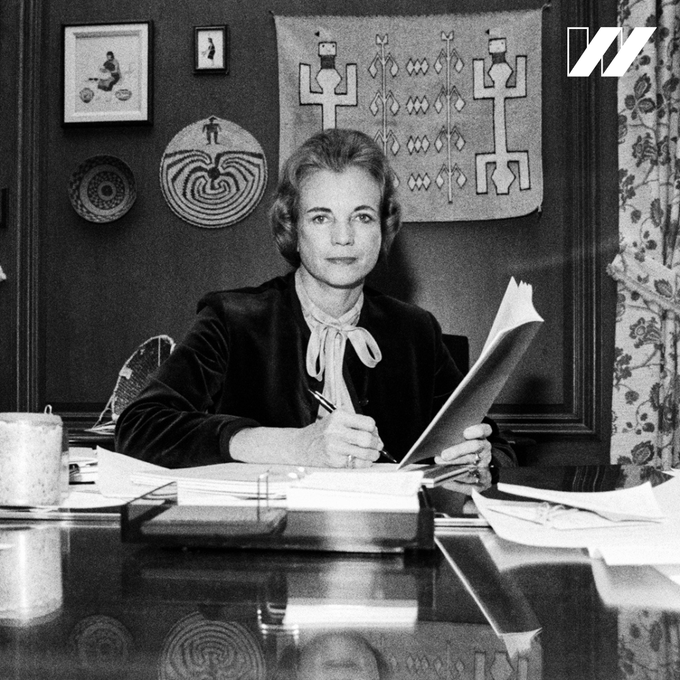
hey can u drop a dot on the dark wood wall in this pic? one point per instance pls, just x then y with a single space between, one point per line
82 296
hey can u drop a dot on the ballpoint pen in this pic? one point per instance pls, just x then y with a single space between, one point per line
330 407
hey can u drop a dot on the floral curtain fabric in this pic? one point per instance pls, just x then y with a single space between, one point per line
648 645
646 385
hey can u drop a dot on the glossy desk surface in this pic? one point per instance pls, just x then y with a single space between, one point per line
86 605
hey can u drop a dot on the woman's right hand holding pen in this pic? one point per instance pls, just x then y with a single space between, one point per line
341 439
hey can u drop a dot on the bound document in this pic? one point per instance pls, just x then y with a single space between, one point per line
512 331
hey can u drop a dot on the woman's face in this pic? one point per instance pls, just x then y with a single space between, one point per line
337 657
339 232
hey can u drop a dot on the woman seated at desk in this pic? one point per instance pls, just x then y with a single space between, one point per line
237 388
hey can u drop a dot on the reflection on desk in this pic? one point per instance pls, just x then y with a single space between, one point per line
129 611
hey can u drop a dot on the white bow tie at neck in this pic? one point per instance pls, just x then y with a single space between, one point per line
325 356
327 342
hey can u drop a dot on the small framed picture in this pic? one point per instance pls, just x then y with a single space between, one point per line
107 74
211 49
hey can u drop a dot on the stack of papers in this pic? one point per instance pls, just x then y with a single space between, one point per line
576 510
382 488
362 491
640 525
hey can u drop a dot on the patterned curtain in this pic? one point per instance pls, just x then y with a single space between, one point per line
646 384
648 645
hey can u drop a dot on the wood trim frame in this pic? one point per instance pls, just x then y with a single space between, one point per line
27 209
589 301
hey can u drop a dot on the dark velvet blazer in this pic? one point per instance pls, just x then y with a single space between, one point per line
243 365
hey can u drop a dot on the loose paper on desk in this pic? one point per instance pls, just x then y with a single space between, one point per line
634 503
244 480
640 541
379 488
115 472
512 331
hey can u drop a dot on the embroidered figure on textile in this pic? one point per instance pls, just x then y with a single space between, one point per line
459 139
449 135
384 98
328 80
500 73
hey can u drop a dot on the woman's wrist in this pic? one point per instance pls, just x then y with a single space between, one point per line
278 445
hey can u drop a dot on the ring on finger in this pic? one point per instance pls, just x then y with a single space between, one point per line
478 458
350 461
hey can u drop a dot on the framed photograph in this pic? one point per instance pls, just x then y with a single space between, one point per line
211 49
107 74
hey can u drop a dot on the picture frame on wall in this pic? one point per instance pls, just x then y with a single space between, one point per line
107 74
211 49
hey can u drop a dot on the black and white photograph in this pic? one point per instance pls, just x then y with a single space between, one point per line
339 340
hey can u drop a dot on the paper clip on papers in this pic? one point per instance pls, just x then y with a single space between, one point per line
548 514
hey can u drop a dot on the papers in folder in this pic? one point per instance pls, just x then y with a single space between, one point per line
512 331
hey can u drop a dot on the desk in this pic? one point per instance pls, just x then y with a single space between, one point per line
128 611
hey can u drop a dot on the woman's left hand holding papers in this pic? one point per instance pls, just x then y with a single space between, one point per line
475 450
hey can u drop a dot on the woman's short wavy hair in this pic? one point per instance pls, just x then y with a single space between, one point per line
334 150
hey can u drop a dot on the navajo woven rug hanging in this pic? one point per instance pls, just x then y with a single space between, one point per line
454 101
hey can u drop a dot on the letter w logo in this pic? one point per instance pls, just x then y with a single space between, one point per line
600 44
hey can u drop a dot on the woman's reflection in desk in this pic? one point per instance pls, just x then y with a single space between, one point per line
336 655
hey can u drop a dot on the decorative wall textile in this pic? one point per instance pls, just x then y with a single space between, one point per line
454 101
213 173
646 387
